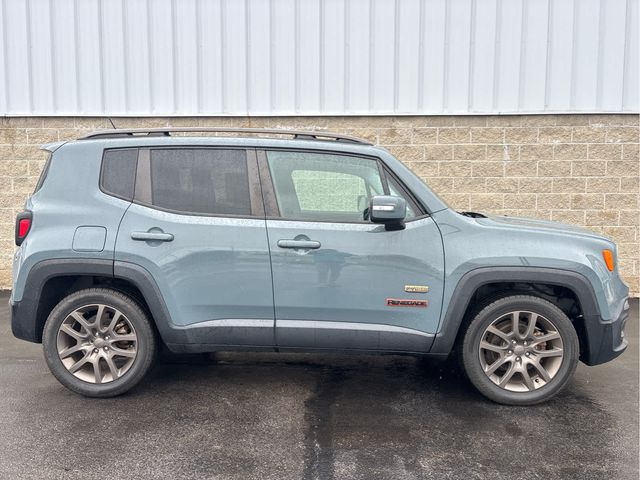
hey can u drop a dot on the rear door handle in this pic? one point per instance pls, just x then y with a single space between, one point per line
152 236
299 244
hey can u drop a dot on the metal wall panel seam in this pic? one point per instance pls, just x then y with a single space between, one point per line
101 56
150 57
321 54
297 16
421 56
29 54
625 56
396 54
54 83
497 56
371 48
199 60
223 56
598 103
5 61
125 55
574 33
174 62
272 70
76 51
447 62
347 46
522 79
472 50
547 83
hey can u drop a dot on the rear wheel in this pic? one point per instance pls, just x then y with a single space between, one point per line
98 342
520 350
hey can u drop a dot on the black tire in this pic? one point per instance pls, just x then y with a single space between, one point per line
495 309
146 342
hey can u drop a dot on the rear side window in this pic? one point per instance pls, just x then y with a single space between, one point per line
201 181
119 172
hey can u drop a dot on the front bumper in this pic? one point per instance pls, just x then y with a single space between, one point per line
606 339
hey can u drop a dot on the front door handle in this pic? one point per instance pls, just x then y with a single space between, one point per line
312 244
152 236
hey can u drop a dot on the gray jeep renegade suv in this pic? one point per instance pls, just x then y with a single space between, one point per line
303 241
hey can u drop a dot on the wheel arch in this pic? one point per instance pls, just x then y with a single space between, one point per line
472 282
142 279
49 281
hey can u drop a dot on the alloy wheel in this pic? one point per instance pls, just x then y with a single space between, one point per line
97 343
521 351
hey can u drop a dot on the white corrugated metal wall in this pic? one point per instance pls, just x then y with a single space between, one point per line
308 57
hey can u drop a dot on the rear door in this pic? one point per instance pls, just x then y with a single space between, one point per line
197 226
339 280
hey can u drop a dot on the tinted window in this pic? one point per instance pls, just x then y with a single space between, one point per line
324 187
119 172
206 181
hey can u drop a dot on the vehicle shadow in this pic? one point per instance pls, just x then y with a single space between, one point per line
366 416
404 372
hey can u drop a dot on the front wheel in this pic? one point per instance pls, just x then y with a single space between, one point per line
98 342
520 350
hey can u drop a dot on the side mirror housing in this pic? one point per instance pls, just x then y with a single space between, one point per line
388 210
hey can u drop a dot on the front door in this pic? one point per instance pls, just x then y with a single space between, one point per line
339 280
197 226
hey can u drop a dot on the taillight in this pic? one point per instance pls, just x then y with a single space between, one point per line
23 225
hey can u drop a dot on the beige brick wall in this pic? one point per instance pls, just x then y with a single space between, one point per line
579 169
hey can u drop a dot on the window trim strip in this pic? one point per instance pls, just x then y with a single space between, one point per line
142 190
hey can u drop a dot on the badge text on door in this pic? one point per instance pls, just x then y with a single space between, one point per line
401 302
416 288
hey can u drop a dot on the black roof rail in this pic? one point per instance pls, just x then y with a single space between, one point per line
166 132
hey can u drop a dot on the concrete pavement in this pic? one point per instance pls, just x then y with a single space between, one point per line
293 416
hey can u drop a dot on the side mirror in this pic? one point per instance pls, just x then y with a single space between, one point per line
388 210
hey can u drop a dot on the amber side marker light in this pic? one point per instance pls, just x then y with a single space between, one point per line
608 259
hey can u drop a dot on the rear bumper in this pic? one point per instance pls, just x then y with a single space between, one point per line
606 339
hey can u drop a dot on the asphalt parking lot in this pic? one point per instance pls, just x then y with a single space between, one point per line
294 416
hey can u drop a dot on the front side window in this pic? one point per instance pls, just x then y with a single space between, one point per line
322 186
200 181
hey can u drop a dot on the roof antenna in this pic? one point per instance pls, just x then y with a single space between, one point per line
114 127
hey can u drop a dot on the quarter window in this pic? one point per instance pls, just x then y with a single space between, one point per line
119 172
201 181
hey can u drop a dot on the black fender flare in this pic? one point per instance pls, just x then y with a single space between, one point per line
474 279
27 316
142 279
